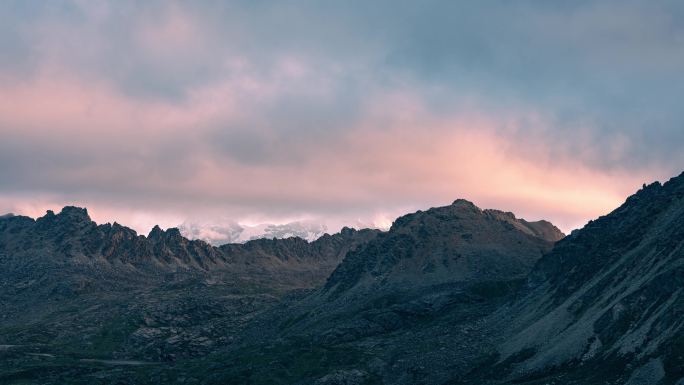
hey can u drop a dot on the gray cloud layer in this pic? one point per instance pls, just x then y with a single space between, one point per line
266 108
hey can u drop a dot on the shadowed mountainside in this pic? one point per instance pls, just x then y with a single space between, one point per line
403 308
451 295
72 290
605 306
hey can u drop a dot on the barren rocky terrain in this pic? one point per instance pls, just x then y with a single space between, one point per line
450 295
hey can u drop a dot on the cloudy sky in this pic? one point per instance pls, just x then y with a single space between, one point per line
343 112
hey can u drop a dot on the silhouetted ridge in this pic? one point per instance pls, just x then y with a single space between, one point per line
75 214
73 238
455 243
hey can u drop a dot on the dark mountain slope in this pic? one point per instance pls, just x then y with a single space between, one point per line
71 290
404 308
607 305
452 295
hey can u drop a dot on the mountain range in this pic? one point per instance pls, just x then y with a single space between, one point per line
450 295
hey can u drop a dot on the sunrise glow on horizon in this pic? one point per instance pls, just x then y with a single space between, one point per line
168 112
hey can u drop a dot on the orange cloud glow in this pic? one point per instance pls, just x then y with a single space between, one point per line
140 162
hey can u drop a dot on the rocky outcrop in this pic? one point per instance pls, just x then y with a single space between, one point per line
456 243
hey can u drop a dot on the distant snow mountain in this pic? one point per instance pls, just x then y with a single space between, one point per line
233 232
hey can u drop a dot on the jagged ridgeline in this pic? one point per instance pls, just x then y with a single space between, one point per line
450 295
72 290
72 240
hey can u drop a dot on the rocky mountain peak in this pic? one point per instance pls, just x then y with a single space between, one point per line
459 209
347 231
155 233
464 203
69 220
455 243
173 233
170 237
76 214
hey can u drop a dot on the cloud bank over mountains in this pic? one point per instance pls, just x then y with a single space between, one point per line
269 112
233 232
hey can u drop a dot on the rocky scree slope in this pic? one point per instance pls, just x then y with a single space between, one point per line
606 306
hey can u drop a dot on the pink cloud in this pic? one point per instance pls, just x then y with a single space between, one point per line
152 161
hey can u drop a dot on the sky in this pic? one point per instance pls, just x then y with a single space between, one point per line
337 112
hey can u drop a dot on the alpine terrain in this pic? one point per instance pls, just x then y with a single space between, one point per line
450 295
